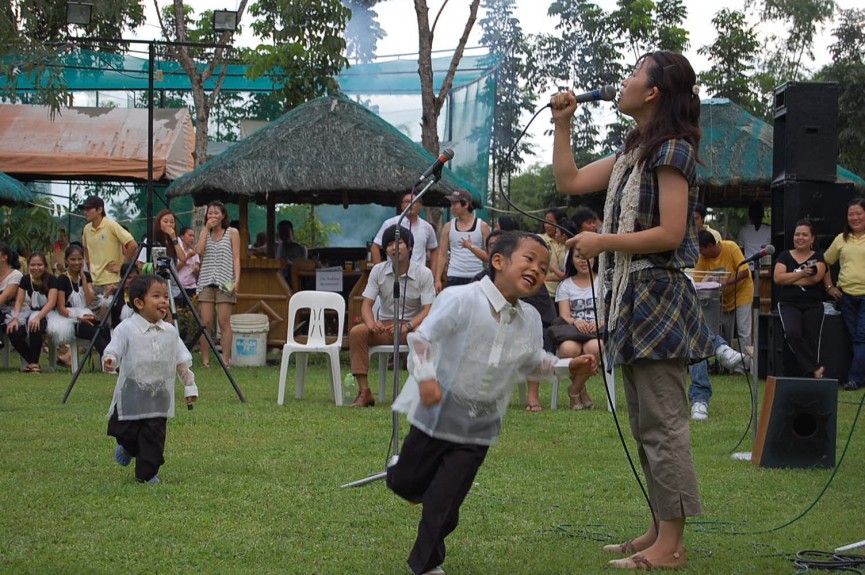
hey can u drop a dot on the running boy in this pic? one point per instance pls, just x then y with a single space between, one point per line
476 344
149 352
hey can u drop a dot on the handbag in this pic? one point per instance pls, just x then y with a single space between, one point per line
561 331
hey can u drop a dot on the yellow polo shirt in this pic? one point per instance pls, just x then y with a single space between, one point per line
105 246
727 261
851 253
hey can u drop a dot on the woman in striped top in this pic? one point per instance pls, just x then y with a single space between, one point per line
219 248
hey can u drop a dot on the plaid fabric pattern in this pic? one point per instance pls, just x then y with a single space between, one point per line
680 155
660 317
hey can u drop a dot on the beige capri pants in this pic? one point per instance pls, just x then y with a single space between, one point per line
657 400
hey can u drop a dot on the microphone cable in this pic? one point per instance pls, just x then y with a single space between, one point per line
602 363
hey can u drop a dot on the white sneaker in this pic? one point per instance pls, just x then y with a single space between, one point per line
729 358
699 411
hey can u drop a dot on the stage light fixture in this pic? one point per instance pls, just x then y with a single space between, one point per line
78 13
224 20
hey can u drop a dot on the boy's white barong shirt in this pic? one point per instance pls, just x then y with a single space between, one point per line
477 360
149 355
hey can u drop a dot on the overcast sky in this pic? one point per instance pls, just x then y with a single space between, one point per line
398 19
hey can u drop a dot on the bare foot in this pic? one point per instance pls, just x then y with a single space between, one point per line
818 373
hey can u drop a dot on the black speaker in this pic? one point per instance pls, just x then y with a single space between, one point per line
805 141
836 351
797 424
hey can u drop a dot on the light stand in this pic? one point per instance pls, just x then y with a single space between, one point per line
394 439
79 14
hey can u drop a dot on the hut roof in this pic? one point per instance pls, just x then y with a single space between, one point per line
13 192
327 151
736 151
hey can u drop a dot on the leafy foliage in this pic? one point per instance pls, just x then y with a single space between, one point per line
33 31
363 31
309 229
30 229
503 36
304 48
848 69
732 56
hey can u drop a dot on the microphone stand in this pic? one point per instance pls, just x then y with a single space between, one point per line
394 439
755 346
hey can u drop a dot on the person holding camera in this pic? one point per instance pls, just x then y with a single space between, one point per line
799 273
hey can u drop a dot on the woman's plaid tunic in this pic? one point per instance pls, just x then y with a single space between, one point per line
660 317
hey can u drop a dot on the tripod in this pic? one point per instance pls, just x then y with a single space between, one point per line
394 440
165 269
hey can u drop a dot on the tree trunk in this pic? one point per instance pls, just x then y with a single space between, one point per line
430 101
202 102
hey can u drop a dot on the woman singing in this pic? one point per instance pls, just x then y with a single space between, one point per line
653 318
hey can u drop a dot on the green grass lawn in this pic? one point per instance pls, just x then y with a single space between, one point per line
255 488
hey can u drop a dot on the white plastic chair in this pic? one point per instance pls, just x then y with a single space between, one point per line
522 389
383 352
609 383
317 302
52 354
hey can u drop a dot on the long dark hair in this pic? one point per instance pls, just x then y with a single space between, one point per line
160 237
11 256
42 286
678 113
847 229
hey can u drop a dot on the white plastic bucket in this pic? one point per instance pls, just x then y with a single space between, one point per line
249 344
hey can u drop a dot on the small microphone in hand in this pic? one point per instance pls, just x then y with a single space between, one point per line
605 93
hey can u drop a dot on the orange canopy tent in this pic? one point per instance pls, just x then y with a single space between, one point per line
94 143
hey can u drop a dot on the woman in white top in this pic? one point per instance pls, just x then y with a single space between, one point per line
37 295
10 277
576 302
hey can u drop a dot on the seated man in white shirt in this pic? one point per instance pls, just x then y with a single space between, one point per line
426 240
417 292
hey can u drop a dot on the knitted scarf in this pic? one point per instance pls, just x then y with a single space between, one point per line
629 202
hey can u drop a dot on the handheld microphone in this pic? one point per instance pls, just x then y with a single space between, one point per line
605 93
435 170
766 251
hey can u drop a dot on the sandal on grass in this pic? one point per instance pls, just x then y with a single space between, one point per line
34 368
534 407
575 403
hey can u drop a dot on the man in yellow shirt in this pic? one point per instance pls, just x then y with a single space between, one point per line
725 256
107 245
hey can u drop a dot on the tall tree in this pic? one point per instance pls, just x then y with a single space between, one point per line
732 56
304 47
177 25
848 69
431 101
363 31
33 31
503 36
800 19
